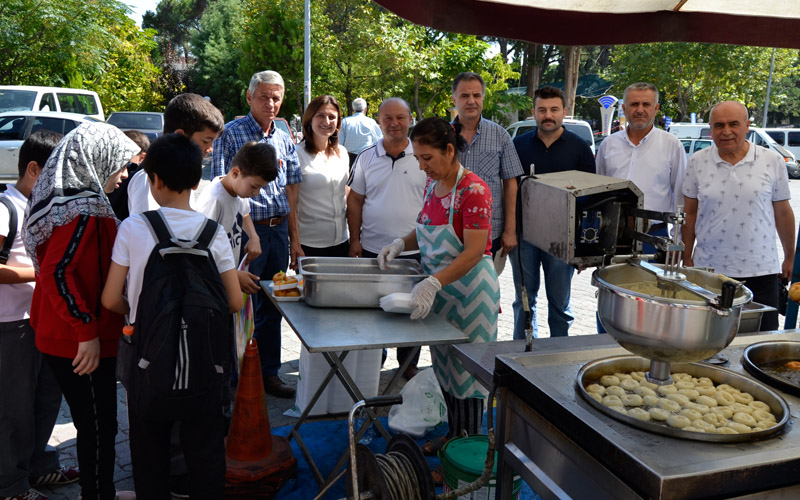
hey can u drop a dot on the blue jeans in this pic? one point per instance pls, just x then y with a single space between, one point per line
557 281
274 257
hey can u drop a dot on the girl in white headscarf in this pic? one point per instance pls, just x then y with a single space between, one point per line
69 231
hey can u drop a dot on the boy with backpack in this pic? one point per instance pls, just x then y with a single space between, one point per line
181 288
29 394
225 201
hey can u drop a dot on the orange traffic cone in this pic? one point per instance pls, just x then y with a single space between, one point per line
258 463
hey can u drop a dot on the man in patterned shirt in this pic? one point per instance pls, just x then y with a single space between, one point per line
737 197
273 211
490 154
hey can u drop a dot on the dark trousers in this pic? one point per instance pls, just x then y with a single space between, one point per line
339 250
92 401
267 330
463 415
201 439
29 404
765 291
403 353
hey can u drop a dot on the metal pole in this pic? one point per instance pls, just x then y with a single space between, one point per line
307 56
769 88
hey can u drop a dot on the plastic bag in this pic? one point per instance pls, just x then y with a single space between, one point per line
243 321
423 406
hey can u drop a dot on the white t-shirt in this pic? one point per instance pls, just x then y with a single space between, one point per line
16 298
135 242
321 200
735 228
393 191
140 199
227 210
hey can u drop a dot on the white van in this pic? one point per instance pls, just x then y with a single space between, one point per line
578 127
789 138
31 98
684 130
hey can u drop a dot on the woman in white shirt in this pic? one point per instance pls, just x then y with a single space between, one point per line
325 167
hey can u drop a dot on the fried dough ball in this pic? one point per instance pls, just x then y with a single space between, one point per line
659 414
740 428
639 414
715 419
692 394
703 382
638 376
596 388
703 409
619 409
704 426
678 421
597 397
725 411
691 414
684 384
651 400
669 405
727 388
667 389
615 390
623 376
727 430
706 400
644 391
609 380
759 405
612 401
678 398
705 390
629 384
744 418
631 400
681 376
763 415
764 425
743 397
724 398
649 385
740 408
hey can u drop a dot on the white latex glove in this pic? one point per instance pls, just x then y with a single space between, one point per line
422 296
389 252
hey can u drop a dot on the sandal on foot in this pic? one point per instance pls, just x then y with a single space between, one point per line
432 447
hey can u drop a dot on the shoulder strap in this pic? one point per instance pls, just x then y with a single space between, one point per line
5 251
207 234
155 221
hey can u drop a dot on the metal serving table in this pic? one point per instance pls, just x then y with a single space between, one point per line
564 448
328 331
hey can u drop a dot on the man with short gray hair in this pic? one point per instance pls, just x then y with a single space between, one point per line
359 131
653 159
273 211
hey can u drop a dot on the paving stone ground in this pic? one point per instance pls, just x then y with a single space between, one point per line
584 307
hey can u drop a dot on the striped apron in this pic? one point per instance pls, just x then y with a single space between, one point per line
471 304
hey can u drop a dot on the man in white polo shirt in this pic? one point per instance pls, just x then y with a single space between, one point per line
653 159
737 197
386 190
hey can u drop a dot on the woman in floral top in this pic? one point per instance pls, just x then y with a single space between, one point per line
453 236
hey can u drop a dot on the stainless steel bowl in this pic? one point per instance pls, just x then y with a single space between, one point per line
756 355
661 328
592 371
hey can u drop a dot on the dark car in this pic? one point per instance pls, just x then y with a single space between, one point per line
149 123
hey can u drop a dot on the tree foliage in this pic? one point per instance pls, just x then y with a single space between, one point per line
692 77
79 43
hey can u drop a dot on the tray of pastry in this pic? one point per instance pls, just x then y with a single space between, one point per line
704 403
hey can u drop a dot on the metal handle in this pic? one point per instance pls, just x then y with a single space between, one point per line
383 401
727 296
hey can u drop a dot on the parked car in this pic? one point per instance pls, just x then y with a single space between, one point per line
148 123
578 127
691 146
789 138
16 126
32 98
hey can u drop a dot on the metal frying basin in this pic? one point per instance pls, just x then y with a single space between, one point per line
592 371
349 282
666 328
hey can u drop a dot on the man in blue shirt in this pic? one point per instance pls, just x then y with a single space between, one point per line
548 148
273 211
359 131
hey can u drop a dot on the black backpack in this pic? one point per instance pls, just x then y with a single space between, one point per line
5 250
173 368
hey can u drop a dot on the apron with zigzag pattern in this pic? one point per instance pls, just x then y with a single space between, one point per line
471 304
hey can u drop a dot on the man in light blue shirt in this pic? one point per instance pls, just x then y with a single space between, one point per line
359 131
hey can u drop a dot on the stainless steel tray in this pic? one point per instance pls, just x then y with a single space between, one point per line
750 320
351 282
592 371
756 355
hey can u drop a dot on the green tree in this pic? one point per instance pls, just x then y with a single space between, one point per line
692 77
217 49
